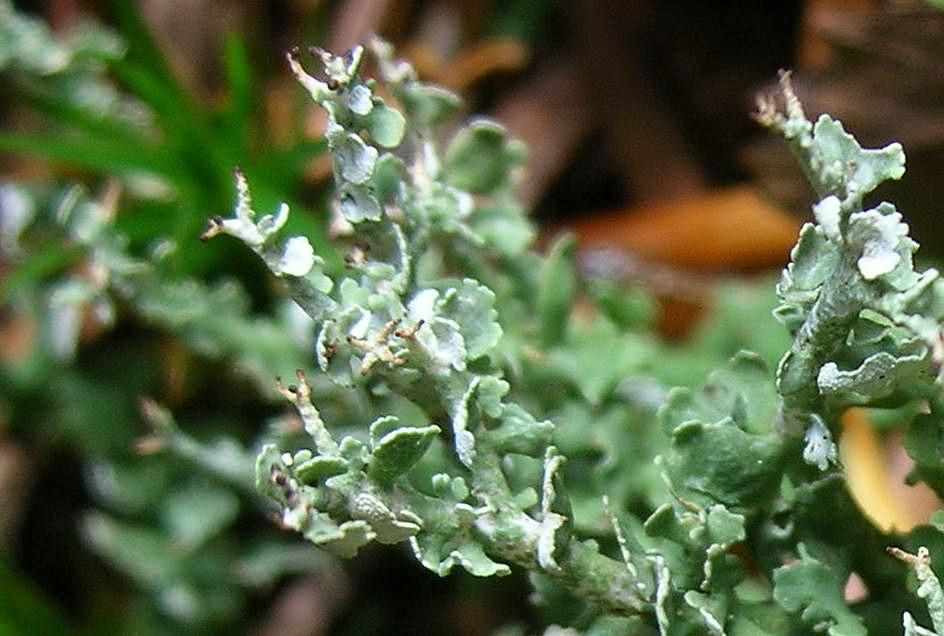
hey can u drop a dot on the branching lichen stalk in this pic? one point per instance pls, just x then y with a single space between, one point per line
820 337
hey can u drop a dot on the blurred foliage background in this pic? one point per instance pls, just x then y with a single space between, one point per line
120 126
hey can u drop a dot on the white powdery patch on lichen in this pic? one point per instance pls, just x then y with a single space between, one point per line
820 450
882 237
827 213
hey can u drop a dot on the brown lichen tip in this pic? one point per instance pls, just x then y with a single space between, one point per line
791 102
149 445
785 78
289 395
295 393
922 558
214 228
159 419
322 54
154 414
407 334
294 62
768 110
357 256
303 387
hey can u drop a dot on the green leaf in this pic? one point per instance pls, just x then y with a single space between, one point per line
724 463
452 489
388 174
578 360
812 261
815 591
354 160
696 545
491 390
879 376
319 468
724 527
428 106
386 125
481 157
845 168
141 551
713 610
741 392
519 432
472 307
343 540
504 227
358 203
761 619
397 451
557 291
196 513
619 626
625 307
443 550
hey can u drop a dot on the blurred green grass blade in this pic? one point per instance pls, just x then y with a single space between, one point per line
195 146
172 106
24 610
92 153
143 50
145 73
70 115
240 80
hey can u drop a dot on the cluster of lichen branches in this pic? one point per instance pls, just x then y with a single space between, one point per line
851 296
438 299
413 327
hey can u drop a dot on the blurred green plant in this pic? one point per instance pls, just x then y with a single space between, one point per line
171 151
103 307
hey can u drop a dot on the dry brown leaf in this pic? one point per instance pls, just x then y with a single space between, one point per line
725 230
